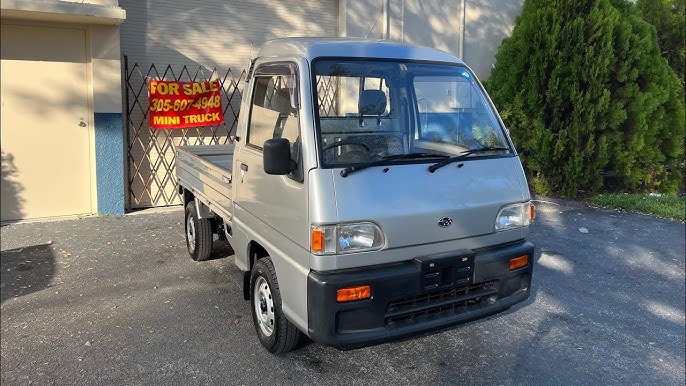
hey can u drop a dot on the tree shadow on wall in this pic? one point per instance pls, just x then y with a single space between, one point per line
12 202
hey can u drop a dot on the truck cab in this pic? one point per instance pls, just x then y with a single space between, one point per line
372 192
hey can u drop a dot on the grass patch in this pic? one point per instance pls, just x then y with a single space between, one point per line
671 207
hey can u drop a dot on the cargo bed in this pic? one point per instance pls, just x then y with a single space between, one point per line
205 171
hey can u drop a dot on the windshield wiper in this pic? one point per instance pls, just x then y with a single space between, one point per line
413 156
462 156
385 160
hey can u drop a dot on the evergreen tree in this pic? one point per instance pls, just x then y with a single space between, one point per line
588 98
668 18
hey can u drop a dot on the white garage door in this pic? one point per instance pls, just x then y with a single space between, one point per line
46 161
217 32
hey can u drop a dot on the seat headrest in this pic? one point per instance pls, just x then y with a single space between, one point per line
281 101
372 102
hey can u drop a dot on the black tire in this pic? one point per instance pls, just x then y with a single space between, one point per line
284 336
198 234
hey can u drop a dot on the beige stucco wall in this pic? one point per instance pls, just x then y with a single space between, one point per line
84 12
106 69
98 113
101 18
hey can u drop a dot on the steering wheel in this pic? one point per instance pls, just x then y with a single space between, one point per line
353 156
346 142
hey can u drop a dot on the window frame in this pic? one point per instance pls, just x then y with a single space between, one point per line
414 108
273 69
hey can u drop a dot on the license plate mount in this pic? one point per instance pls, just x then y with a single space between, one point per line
446 271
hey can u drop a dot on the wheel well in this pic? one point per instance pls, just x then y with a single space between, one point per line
255 252
187 196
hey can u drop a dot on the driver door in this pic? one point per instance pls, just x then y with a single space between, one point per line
271 204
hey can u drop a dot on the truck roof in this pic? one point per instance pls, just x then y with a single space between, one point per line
311 48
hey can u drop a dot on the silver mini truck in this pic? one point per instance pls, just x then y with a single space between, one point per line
372 193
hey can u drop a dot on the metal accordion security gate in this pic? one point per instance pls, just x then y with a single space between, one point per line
150 156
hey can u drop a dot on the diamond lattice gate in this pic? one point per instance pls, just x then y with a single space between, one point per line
150 156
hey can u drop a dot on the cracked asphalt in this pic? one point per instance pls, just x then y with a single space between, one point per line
117 300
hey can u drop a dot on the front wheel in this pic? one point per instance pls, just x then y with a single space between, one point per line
198 234
276 333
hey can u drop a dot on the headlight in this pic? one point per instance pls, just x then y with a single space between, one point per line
346 238
513 216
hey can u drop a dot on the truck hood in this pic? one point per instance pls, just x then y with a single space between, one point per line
408 202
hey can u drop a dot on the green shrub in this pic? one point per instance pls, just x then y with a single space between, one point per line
589 100
668 18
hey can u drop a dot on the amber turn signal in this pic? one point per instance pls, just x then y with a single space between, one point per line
519 262
353 293
317 240
532 212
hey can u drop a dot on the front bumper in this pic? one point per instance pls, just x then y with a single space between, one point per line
417 296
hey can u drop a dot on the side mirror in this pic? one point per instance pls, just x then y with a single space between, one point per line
277 156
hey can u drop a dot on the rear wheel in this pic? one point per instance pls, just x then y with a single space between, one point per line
276 333
198 234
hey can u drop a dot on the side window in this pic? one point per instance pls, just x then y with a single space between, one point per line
271 115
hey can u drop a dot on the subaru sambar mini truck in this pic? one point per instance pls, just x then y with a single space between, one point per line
371 193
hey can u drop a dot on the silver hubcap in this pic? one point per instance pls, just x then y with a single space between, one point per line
190 234
264 306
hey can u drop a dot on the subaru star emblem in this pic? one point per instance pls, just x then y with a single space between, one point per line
445 222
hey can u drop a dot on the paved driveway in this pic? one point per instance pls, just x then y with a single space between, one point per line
118 301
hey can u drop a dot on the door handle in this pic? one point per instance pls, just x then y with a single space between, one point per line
244 168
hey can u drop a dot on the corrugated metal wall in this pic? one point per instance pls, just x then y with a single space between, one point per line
208 34
217 33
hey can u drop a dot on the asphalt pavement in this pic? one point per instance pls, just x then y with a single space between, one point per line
117 300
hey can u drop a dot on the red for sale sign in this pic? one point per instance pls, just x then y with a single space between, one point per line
176 105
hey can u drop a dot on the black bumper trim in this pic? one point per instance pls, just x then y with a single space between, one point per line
403 305
470 294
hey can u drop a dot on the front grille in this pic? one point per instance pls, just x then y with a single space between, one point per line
441 303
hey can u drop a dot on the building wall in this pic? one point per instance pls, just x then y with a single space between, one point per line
113 3
431 23
100 20
217 33
487 23
108 118
362 18
436 23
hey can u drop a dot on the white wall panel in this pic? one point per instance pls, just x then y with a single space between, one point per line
487 24
217 33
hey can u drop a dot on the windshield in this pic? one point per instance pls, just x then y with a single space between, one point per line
371 111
